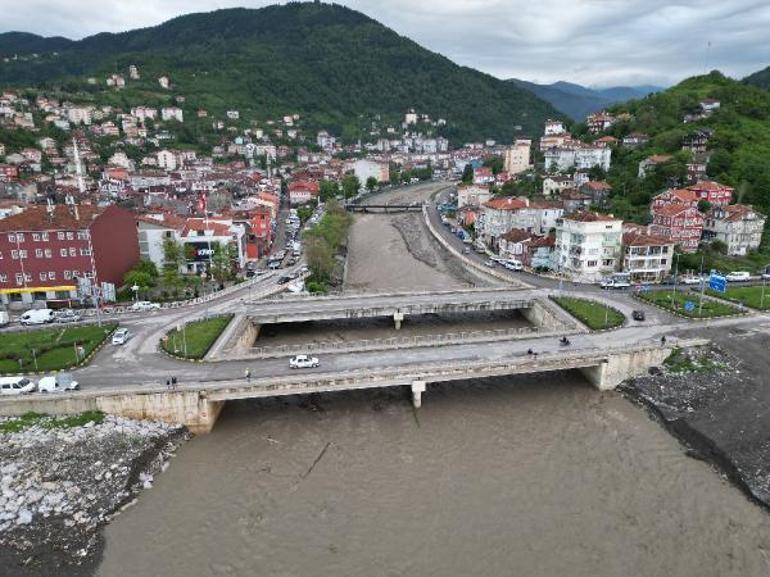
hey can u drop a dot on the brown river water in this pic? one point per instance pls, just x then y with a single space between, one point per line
534 475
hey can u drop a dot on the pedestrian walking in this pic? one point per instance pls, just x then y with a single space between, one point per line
663 340
168 384
248 375
173 382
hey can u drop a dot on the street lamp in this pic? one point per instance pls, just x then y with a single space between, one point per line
135 288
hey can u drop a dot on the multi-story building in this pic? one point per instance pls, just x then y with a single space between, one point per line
738 226
678 223
365 169
646 258
172 113
471 195
712 192
517 157
651 162
674 196
554 128
553 185
599 122
200 236
45 250
588 246
577 155
303 191
496 218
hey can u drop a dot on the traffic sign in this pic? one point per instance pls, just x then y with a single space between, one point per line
718 283
689 306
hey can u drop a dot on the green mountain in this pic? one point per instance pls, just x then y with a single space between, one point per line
577 101
332 65
22 43
739 146
760 79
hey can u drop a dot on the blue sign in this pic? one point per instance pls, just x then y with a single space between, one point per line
718 283
689 306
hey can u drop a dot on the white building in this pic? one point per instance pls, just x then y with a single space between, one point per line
472 195
325 140
517 157
364 169
166 159
410 118
646 258
172 113
497 217
739 226
79 114
553 185
143 113
164 82
152 234
577 155
554 128
588 246
233 114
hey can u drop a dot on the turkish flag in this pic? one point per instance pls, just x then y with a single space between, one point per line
202 202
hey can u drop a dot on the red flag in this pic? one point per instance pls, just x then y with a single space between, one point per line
202 202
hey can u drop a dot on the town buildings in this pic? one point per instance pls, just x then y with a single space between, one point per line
588 246
46 251
516 158
578 155
472 195
680 224
646 258
738 226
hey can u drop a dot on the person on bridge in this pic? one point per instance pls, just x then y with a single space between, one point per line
247 373
564 340
663 340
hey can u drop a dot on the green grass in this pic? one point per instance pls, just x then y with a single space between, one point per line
680 362
17 424
53 348
676 301
198 336
595 315
750 296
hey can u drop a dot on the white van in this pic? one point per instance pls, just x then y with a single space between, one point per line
738 276
37 317
58 382
16 385
5 318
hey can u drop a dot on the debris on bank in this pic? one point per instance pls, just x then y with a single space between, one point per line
62 478
713 403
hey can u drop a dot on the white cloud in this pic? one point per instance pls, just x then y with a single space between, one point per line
587 41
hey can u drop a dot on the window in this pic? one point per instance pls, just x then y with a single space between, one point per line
60 235
70 236
11 237
43 276
63 252
82 235
73 252
28 277
85 252
38 253
44 236
19 278
19 237
51 275
48 253
3 277
36 237
67 275
591 263
22 254
14 254
1 255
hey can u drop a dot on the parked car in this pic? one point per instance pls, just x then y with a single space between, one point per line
66 316
37 317
738 276
57 383
16 385
616 281
691 279
120 336
145 306
490 263
303 362
513 265
283 279
638 315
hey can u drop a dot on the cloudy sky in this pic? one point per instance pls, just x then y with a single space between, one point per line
592 42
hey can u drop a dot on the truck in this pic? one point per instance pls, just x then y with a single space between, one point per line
619 280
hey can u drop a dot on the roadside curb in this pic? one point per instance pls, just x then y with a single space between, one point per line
203 358
685 317
624 324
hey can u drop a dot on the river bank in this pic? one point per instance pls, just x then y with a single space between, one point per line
62 482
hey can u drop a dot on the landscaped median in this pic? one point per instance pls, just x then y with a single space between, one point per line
50 349
687 304
194 339
595 315
755 297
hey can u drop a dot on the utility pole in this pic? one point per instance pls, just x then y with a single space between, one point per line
676 278
702 288
762 301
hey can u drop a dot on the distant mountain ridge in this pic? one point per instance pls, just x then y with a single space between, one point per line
577 101
24 43
334 66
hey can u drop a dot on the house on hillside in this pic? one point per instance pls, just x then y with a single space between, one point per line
553 185
588 246
635 140
652 161
646 258
738 226
679 224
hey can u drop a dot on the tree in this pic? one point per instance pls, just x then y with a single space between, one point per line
467 174
350 185
173 260
138 278
222 262
704 205
329 189
495 163
371 184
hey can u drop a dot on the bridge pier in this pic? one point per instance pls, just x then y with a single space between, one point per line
418 388
398 318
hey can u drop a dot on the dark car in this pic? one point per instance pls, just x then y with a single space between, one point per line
638 315
284 279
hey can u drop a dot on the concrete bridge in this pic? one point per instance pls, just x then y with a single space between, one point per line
384 208
198 405
395 305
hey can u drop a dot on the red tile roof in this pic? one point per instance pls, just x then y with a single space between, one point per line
506 203
517 235
590 217
643 239
61 217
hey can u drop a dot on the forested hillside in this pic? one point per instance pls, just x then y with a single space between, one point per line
328 63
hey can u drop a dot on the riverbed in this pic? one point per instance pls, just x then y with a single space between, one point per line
533 475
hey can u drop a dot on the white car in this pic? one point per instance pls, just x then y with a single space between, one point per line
120 337
145 306
513 265
303 362
691 280
738 276
16 385
57 383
